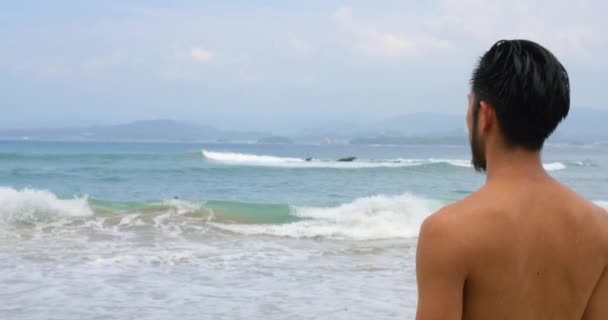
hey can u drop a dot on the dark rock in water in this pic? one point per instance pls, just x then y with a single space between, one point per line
308 159
347 159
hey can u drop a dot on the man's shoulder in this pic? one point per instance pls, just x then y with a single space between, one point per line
440 242
444 223
594 214
465 227
595 217
462 214
583 215
450 225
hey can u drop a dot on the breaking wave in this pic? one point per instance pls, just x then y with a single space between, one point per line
232 158
368 218
243 159
30 206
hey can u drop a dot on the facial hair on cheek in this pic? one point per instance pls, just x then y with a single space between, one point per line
478 154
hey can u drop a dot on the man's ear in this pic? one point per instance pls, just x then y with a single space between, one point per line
487 116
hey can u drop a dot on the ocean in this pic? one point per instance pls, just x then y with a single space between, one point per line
230 231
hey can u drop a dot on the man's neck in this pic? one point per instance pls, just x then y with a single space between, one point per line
514 163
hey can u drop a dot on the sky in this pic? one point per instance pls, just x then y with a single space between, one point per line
273 65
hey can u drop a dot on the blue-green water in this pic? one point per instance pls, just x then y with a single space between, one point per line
219 231
147 172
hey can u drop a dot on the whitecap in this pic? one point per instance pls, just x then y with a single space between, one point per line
554 166
29 205
368 218
232 158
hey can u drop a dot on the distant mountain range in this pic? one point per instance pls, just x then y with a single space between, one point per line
145 130
583 125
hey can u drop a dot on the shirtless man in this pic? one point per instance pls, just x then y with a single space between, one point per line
524 246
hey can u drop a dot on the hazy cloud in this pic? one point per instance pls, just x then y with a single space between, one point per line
376 42
368 39
572 29
201 55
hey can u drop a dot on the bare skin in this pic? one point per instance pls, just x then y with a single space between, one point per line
522 247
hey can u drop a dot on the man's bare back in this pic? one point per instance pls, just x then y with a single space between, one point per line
526 249
523 246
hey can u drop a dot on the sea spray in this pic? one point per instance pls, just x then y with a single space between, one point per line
30 205
368 218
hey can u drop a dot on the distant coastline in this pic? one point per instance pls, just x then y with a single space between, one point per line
584 126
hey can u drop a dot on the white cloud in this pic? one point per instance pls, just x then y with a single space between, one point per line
574 31
383 44
369 40
374 42
570 29
201 55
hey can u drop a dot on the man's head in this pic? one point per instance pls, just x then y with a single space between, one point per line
519 92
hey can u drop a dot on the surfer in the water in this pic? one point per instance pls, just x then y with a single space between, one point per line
524 246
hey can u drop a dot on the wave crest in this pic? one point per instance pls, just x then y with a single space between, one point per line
233 158
369 218
29 205
243 159
554 166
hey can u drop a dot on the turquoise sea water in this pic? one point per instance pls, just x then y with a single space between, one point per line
223 231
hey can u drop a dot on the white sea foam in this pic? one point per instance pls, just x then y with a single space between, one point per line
453 162
376 217
163 257
554 166
241 158
232 158
131 220
182 206
30 205
289 162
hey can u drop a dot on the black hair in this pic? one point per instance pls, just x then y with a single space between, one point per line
528 88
